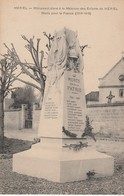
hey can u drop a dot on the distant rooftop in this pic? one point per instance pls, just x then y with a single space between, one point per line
92 96
122 59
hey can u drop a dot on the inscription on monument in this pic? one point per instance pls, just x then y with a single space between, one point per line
74 104
51 110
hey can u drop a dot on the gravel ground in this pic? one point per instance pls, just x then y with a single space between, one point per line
13 183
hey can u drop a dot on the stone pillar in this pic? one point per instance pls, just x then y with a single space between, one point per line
62 122
19 120
22 117
33 114
64 107
34 120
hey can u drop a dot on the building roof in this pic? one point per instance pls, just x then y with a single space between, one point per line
122 59
92 96
114 78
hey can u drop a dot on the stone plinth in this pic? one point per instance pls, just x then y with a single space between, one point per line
60 164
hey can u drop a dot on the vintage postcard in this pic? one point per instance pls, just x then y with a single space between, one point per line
61 96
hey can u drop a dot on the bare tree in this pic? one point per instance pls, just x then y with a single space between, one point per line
34 70
82 49
8 65
7 77
49 39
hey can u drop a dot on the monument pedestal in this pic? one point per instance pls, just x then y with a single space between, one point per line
60 164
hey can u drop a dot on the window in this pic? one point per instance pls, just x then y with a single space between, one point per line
121 77
121 93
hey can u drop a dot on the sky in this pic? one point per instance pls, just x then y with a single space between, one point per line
100 24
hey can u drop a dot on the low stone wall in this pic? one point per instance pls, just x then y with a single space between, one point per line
12 119
107 118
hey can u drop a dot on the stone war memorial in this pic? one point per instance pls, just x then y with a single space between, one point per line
62 154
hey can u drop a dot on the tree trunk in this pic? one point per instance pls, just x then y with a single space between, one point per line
42 84
1 122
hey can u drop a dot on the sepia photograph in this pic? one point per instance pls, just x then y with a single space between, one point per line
62 97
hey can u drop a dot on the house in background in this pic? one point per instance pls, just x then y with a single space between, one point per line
111 86
92 97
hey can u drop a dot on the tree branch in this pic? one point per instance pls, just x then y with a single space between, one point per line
29 83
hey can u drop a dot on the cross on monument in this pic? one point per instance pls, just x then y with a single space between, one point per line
110 97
